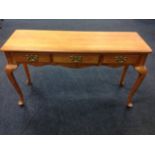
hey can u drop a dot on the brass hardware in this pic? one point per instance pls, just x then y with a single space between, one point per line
32 58
121 59
76 59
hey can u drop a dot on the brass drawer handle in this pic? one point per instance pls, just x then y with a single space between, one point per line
76 59
121 59
32 58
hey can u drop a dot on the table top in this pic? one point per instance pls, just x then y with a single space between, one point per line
75 41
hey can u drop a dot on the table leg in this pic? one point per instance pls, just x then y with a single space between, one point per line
9 71
123 75
28 82
142 72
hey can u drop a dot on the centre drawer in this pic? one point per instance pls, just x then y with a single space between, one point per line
76 58
31 57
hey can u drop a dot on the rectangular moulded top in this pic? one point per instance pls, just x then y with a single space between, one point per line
75 41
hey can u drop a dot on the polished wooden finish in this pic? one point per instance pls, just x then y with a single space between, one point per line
76 58
142 72
9 71
76 49
123 75
28 57
28 81
67 41
123 58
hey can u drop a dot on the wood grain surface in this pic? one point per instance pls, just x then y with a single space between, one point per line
75 41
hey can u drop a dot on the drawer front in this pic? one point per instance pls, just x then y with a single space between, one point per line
76 58
31 57
121 59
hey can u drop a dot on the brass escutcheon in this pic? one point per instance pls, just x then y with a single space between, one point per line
121 59
76 59
32 58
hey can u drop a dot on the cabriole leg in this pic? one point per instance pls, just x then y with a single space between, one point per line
142 72
9 69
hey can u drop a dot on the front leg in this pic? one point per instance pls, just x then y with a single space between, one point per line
9 71
142 72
